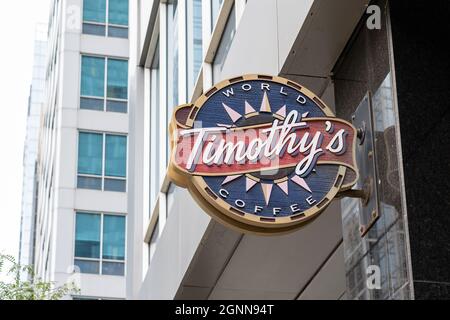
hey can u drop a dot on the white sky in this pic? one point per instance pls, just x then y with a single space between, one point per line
17 24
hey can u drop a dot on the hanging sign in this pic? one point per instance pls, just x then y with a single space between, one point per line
261 154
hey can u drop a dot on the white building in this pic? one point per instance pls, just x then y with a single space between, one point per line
82 173
35 103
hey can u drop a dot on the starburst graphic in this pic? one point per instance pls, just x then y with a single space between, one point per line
250 180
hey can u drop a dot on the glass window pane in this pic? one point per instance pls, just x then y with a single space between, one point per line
215 8
224 46
118 32
117 79
155 127
197 36
118 12
113 268
194 42
90 151
172 68
92 104
116 106
88 266
94 10
89 183
115 185
97 30
87 235
92 76
116 156
114 237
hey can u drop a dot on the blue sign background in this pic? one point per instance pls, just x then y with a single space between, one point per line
320 181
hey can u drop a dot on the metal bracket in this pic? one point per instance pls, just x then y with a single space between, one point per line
363 229
366 188
363 194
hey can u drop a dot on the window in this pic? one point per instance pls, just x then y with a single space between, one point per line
194 34
224 46
215 9
106 17
172 58
102 161
95 72
156 136
100 243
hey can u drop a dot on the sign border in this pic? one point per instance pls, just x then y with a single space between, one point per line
231 216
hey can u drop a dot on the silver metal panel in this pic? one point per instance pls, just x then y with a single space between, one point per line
362 119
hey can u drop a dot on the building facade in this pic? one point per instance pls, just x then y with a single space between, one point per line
29 188
108 213
82 171
354 55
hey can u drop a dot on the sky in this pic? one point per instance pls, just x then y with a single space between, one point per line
17 24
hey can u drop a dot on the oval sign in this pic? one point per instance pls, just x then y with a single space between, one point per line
261 154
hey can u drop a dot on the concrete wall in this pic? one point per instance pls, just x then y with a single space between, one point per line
182 234
264 37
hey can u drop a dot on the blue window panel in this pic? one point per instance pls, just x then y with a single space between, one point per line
94 29
113 268
94 10
87 235
118 32
92 104
114 237
174 81
118 12
197 45
89 183
92 267
116 156
92 76
117 106
115 185
117 79
90 152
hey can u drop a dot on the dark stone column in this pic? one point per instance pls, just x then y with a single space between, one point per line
363 68
420 36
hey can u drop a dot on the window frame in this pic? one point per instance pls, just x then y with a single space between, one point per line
100 260
105 24
192 74
103 176
105 97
